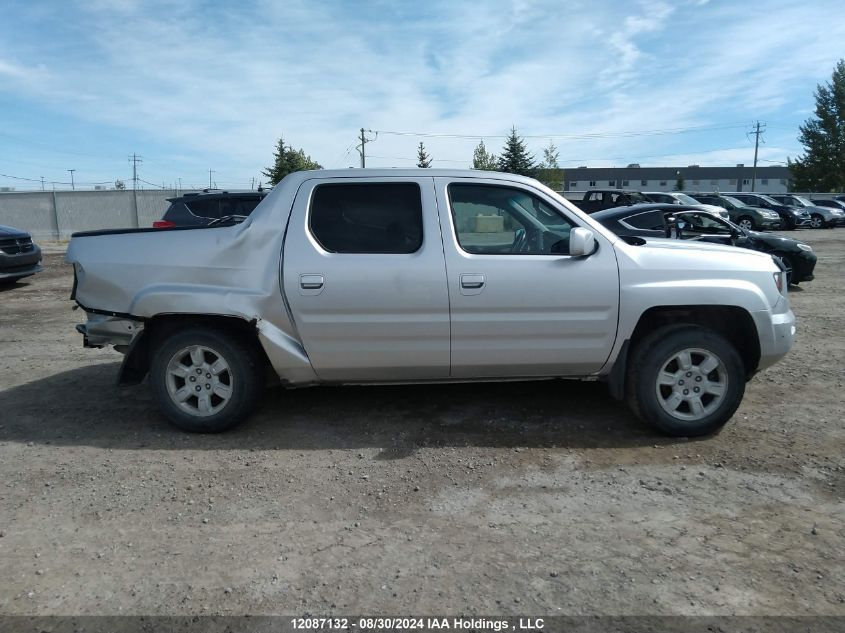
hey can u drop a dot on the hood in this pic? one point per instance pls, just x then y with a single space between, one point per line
8 231
692 245
777 242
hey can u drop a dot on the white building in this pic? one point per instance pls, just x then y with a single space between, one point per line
693 177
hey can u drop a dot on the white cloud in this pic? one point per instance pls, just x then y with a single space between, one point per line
219 89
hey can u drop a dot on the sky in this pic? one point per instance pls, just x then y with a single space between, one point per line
192 86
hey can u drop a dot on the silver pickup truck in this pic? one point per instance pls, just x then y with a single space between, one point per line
413 276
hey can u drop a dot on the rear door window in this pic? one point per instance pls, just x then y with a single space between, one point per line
367 217
650 220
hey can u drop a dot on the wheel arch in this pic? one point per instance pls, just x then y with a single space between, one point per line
733 322
136 363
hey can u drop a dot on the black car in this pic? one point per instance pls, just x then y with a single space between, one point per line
19 256
202 208
792 217
689 223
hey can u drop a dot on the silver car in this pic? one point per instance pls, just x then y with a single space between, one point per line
411 276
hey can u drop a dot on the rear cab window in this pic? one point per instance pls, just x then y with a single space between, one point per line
371 218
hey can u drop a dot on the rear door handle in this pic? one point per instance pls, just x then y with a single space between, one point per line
472 280
311 284
472 283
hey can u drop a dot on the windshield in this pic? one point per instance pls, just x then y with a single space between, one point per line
804 202
769 200
733 201
685 199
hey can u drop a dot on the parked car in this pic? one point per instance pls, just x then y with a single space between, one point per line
821 217
598 199
690 223
387 275
209 205
19 256
676 197
827 202
792 217
750 218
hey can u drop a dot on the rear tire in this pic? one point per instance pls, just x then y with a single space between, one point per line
206 380
668 366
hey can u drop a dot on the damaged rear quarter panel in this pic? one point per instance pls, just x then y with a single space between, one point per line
226 270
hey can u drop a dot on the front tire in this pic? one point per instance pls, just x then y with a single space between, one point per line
816 221
747 223
206 380
685 380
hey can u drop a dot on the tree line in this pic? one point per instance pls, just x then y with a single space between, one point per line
514 158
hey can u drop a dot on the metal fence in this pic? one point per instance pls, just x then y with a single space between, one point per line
55 215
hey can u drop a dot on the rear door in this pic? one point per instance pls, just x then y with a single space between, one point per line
520 304
364 275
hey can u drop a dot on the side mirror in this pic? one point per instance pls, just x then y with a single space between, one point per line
581 242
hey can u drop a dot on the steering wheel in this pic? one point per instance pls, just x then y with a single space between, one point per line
520 241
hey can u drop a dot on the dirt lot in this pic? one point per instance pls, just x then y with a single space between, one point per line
530 498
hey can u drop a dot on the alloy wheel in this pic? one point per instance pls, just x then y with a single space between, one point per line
199 380
691 384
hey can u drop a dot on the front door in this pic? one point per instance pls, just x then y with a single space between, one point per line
520 304
364 275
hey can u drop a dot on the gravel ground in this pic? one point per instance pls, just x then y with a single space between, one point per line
540 498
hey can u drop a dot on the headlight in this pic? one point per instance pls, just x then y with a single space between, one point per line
805 247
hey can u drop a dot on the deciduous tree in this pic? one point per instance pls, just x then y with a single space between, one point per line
482 159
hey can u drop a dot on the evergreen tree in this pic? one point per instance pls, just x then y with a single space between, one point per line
423 159
822 167
550 173
679 183
483 160
515 158
287 160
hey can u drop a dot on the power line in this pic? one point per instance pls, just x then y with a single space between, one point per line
586 136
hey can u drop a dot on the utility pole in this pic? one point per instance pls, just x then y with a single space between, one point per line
252 186
72 185
210 171
364 140
135 160
42 183
757 133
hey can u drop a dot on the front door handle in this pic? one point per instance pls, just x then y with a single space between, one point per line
472 281
311 282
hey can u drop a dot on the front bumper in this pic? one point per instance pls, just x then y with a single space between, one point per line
770 223
19 272
777 333
19 265
803 265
